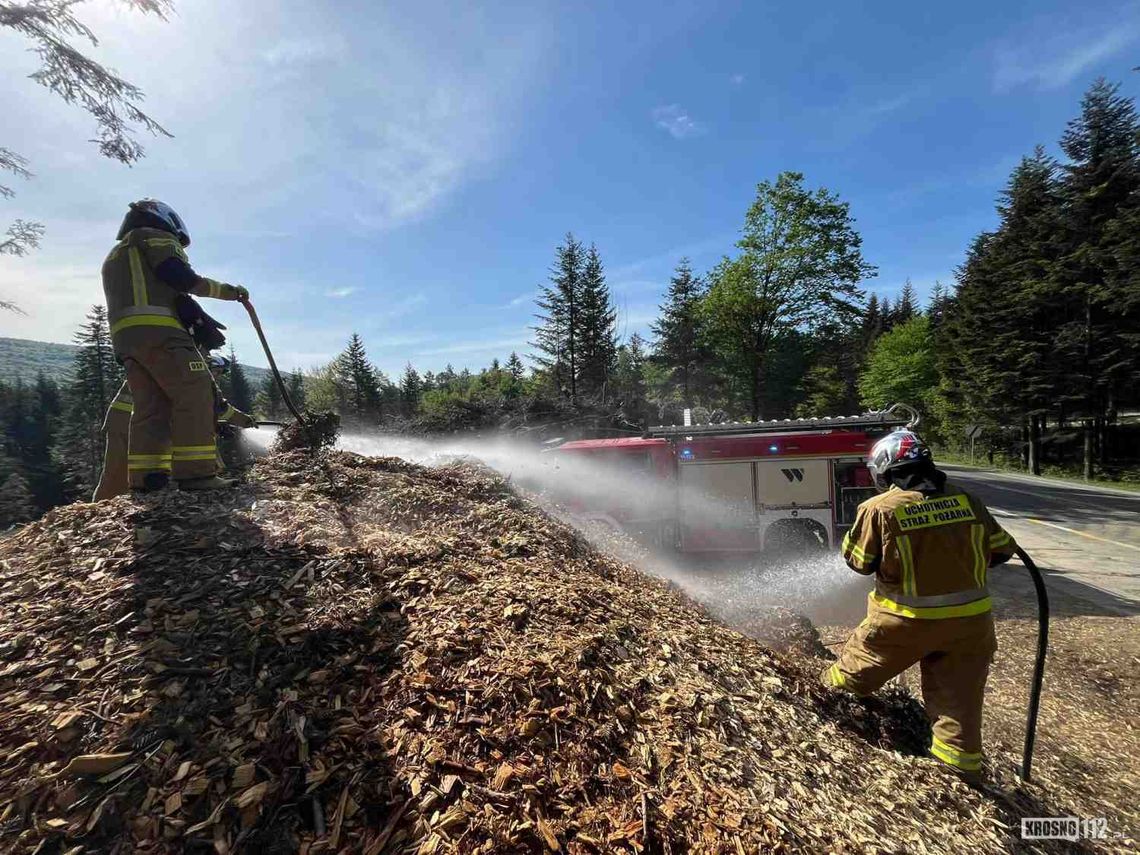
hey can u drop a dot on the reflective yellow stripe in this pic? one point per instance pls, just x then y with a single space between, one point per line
836 676
150 467
123 405
215 288
981 554
851 548
182 458
178 449
999 539
138 279
977 607
966 760
908 583
145 321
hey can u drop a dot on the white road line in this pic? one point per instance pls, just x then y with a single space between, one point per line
1004 513
1083 534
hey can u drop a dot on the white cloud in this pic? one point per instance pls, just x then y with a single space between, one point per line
290 121
340 293
1056 60
736 79
674 119
520 300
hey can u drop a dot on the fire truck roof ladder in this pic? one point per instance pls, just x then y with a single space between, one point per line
896 415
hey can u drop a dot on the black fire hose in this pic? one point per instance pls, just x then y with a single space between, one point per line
1038 666
272 363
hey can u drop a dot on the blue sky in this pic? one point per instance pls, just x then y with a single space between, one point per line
406 170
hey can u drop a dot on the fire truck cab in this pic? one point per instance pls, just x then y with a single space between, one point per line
739 487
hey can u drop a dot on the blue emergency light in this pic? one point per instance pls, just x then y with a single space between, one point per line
773 448
686 454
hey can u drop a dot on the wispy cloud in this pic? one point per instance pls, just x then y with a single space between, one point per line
520 300
299 51
1056 60
736 79
340 293
676 121
890 105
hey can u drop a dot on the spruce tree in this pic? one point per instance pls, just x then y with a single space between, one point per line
237 388
269 401
95 378
907 305
1100 185
680 347
629 380
359 379
411 390
557 338
515 366
598 324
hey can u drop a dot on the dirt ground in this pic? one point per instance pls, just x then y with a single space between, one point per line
1087 754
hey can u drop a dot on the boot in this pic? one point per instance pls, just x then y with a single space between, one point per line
213 482
153 482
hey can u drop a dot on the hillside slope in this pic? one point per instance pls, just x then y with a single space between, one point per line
363 655
25 359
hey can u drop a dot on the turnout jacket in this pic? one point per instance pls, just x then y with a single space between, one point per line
929 553
139 299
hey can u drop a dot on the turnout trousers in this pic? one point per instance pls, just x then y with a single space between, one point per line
172 426
954 655
114 480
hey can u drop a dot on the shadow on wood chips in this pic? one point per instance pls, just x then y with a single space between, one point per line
363 655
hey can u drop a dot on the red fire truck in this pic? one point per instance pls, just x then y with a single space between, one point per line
736 487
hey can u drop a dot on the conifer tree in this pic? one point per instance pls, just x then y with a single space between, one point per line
515 366
95 379
269 401
359 379
680 347
907 305
237 388
411 390
557 338
598 337
1100 184
629 379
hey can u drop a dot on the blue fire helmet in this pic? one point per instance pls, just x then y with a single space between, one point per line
156 215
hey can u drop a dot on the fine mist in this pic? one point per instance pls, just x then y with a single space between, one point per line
738 589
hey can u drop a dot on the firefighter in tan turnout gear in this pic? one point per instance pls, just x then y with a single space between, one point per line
148 281
930 545
116 426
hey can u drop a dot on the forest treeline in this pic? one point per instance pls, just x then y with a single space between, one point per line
1036 342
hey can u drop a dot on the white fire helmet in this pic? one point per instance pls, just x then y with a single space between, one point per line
897 448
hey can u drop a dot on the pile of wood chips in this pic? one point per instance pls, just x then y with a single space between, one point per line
365 656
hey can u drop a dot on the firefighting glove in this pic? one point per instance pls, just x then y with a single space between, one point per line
206 332
242 292
243 420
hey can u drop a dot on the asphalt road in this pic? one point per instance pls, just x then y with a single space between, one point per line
1086 538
